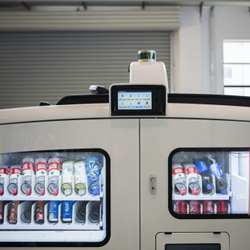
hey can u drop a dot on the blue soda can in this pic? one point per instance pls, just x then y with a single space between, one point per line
66 212
53 211
94 167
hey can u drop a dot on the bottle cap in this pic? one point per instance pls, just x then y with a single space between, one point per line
146 55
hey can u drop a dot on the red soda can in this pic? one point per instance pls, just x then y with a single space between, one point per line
208 207
194 207
39 212
222 207
180 207
3 176
12 212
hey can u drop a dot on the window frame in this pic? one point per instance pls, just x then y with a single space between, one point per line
233 63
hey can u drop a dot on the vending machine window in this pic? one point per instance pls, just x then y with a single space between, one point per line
209 183
57 197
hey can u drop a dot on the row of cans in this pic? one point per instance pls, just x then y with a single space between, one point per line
57 211
54 175
201 207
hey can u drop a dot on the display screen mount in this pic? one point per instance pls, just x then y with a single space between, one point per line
130 99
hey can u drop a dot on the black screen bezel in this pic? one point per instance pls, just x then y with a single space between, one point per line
158 99
62 243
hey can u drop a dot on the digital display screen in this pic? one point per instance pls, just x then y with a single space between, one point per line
128 100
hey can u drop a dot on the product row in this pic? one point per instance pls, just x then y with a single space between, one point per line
53 176
200 177
201 207
40 212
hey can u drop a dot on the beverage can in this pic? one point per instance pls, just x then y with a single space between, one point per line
3 178
12 212
2 204
208 207
80 179
26 208
81 211
54 168
15 172
39 212
180 207
66 211
53 207
94 212
26 177
41 172
222 207
194 207
179 179
93 168
67 177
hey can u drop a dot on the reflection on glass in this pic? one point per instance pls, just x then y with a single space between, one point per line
210 182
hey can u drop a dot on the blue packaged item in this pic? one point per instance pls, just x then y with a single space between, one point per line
220 177
66 211
208 186
53 211
201 166
93 169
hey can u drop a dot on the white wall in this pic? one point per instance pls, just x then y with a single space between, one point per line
199 46
191 73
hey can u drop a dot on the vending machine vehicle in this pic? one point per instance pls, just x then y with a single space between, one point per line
132 172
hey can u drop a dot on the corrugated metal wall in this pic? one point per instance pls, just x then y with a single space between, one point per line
36 66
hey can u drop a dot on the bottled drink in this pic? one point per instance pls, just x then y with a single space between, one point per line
41 172
179 179
80 178
94 167
15 172
39 212
193 179
194 207
208 184
81 211
208 207
66 211
26 210
53 211
220 177
222 207
181 207
3 178
12 212
67 177
54 168
94 212
26 177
